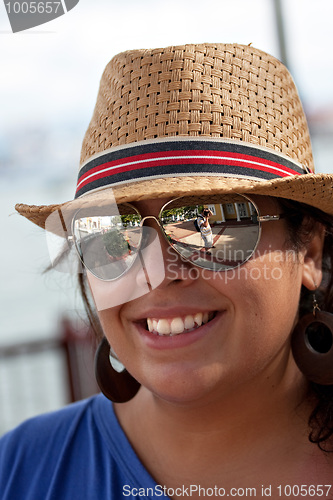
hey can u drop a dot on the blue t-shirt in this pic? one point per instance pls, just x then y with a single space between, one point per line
78 452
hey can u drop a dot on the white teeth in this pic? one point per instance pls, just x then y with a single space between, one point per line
198 319
189 322
150 324
163 327
175 326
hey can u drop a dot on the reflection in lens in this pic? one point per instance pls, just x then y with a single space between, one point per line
63 256
107 244
216 232
146 273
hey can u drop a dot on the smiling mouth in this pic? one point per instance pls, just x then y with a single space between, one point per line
168 327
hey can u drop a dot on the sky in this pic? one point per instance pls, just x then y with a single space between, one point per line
50 74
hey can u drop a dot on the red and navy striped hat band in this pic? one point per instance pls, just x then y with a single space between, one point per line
182 157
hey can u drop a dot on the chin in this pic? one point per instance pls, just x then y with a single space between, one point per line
184 386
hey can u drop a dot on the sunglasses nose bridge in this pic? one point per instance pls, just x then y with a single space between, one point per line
152 217
163 241
146 217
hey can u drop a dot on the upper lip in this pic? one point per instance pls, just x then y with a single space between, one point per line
174 312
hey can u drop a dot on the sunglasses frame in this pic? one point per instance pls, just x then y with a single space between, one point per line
260 219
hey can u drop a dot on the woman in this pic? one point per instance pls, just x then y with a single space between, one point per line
227 355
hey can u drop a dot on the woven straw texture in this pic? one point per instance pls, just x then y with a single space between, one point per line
207 90
210 90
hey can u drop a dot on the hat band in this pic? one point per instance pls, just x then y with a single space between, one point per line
182 157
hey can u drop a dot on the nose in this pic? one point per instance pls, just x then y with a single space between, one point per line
161 264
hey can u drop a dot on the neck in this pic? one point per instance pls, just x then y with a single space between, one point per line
241 427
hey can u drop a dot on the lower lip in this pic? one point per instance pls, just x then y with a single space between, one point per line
177 341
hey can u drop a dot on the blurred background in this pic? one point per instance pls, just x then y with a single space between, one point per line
48 85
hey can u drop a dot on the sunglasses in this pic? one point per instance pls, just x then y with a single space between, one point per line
215 232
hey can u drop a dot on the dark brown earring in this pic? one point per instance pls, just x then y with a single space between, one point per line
118 387
312 345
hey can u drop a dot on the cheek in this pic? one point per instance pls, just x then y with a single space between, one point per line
115 333
264 295
109 316
272 299
276 271
110 321
109 294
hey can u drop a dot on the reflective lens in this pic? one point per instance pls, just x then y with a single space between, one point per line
107 241
217 232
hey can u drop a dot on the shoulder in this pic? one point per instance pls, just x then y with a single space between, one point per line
34 454
57 423
43 434
79 451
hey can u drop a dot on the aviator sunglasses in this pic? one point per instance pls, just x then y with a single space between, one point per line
216 232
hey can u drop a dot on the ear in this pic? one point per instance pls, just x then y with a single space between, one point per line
312 273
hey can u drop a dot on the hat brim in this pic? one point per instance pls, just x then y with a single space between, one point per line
315 190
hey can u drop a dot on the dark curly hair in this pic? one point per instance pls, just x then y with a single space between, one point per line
302 223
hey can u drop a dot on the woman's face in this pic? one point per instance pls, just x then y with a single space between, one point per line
248 315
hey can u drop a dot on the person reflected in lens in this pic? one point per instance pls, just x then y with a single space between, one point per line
205 228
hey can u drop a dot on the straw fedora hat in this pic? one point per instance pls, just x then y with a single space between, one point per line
201 118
